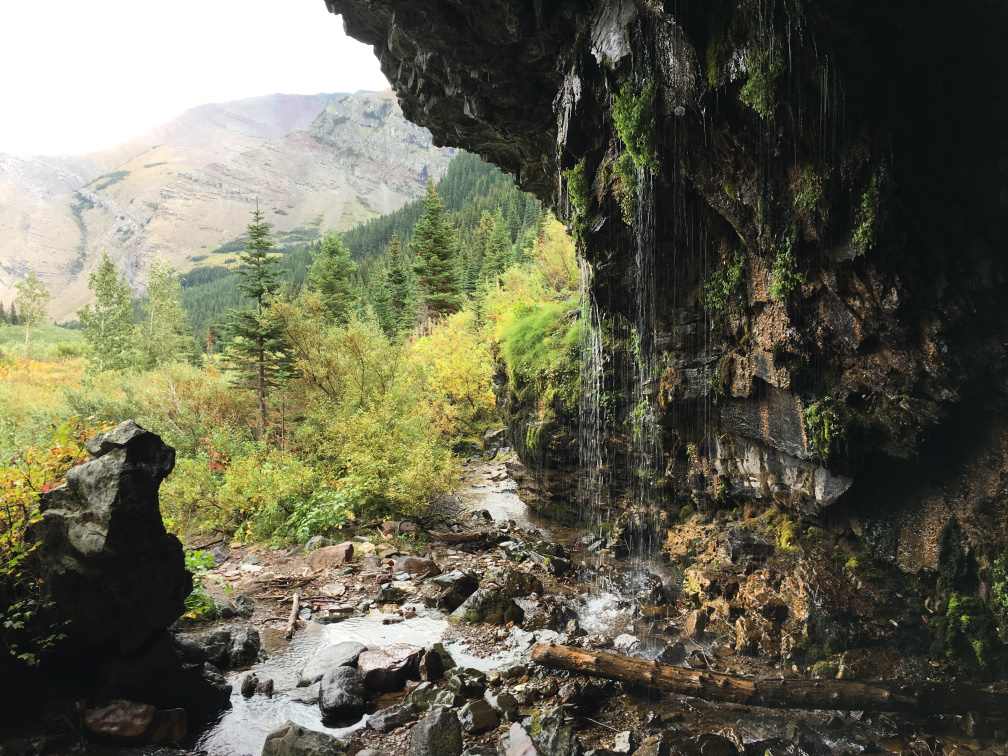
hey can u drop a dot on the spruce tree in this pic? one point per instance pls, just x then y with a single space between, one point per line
498 256
402 295
13 317
331 276
258 353
108 324
434 253
3 313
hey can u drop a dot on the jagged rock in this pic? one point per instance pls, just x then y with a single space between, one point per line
387 668
493 441
393 717
453 589
427 695
478 717
504 704
291 739
624 742
467 682
322 660
342 695
643 586
249 685
317 542
447 662
189 649
674 653
554 738
244 606
416 566
232 647
329 557
439 733
390 594
488 606
514 582
520 743
431 666
104 551
696 624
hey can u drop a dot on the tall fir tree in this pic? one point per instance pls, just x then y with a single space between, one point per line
258 352
3 313
402 293
13 317
33 302
498 256
331 275
434 254
165 335
108 324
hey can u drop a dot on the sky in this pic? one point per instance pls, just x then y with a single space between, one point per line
83 75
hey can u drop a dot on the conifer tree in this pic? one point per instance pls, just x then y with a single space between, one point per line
331 275
3 313
165 333
13 317
497 257
402 295
434 253
33 302
108 325
258 352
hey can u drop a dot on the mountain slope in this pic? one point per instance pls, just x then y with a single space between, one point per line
186 189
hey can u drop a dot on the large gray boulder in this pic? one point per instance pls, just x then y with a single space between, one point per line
439 733
341 655
108 565
387 668
489 606
291 739
341 695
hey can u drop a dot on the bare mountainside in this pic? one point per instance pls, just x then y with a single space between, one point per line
186 188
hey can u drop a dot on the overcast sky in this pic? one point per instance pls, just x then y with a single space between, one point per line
81 75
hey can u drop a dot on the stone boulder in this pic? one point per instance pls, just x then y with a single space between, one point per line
515 583
232 647
488 606
439 733
327 557
392 718
104 552
341 655
478 717
135 722
342 696
453 588
291 739
427 696
387 668
416 566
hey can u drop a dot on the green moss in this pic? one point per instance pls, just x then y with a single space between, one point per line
810 198
824 670
786 276
721 285
633 116
866 221
852 564
764 67
731 189
577 185
824 427
625 175
721 376
542 351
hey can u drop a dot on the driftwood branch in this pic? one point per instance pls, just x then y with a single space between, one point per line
784 693
292 621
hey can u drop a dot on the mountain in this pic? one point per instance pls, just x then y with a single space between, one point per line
184 191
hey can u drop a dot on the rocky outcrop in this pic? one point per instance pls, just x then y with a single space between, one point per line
114 580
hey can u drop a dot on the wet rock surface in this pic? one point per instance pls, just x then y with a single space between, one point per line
291 739
438 733
342 696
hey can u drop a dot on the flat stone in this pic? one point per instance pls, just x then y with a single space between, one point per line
696 624
328 557
392 718
291 739
427 695
387 668
520 743
136 721
417 566
488 606
504 704
343 654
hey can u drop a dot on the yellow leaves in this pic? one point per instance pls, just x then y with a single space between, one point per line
459 372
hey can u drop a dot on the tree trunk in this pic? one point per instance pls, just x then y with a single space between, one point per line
791 693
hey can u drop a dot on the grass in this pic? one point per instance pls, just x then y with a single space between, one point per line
35 387
542 353
47 342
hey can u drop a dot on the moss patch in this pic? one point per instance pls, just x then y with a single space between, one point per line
634 118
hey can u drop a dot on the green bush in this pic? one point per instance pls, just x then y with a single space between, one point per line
634 119
542 352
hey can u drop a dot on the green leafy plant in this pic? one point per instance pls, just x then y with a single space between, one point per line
866 221
786 276
199 605
999 594
634 119
721 285
764 67
825 427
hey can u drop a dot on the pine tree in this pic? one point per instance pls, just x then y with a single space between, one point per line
433 248
108 325
498 256
165 333
402 294
258 352
331 276
3 313
33 302
13 317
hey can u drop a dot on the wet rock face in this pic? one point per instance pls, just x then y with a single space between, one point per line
810 273
108 564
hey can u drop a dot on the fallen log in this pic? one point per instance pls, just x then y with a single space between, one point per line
921 698
292 621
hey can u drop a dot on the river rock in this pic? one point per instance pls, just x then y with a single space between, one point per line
291 739
439 733
696 624
138 722
554 737
244 606
342 695
416 566
515 583
390 594
643 586
386 720
328 557
317 542
504 704
488 606
478 717
493 440
453 589
189 649
431 666
674 653
387 668
520 743
467 682
427 695
343 654
249 684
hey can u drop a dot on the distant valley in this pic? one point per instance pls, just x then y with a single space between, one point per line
184 191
